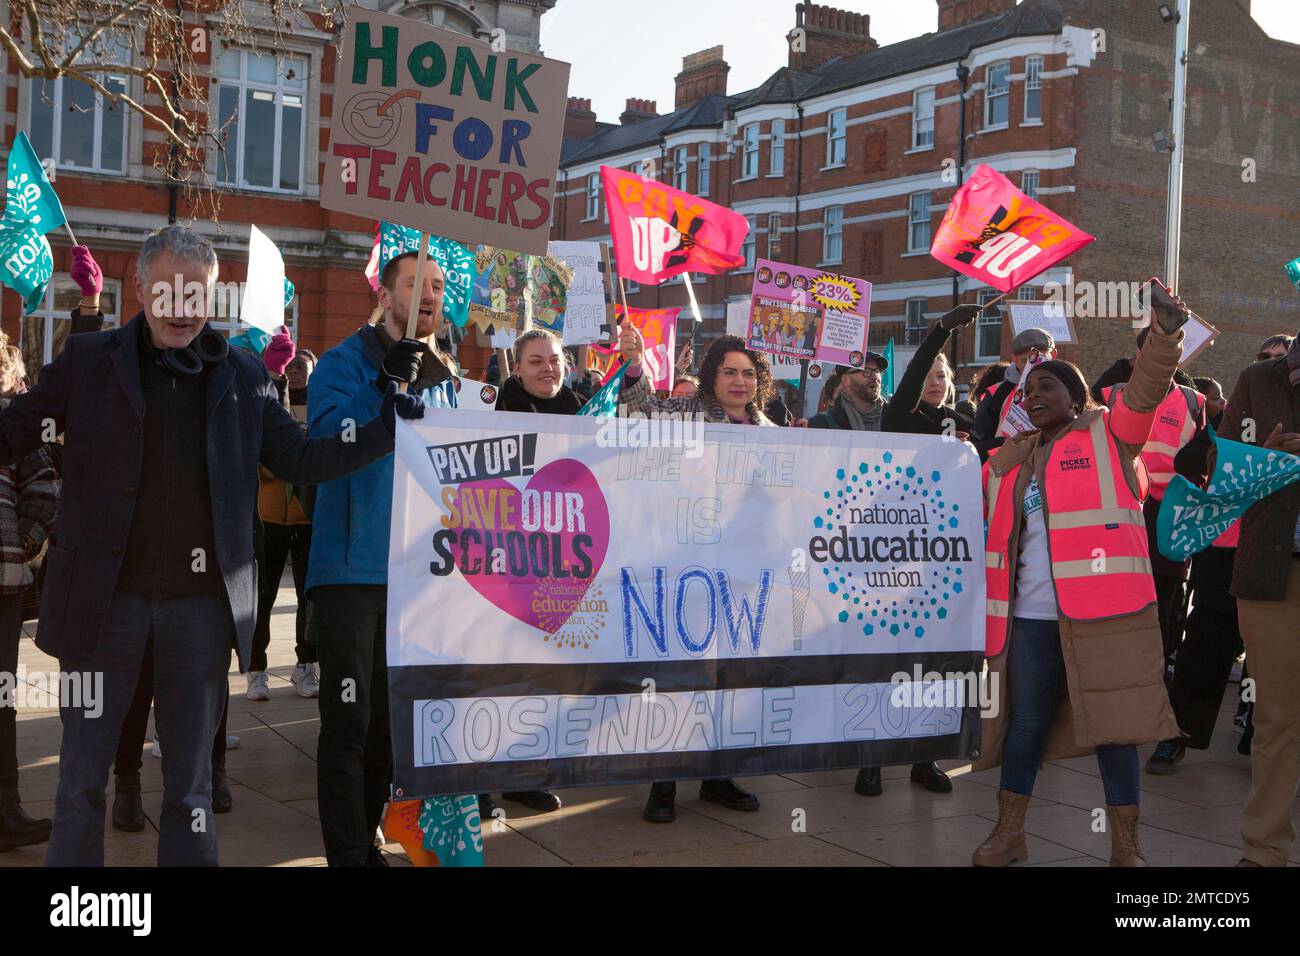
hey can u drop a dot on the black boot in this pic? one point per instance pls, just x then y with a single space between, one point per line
128 812
931 777
723 790
375 857
16 827
660 808
222 801
542 800
868 782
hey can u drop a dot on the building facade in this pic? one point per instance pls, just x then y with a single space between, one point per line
275 113
847 157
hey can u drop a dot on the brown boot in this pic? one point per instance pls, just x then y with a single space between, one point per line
1006 844
1124 849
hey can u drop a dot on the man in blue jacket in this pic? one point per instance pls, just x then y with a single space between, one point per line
153 547
347 572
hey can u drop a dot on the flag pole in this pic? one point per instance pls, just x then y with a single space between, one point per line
413 314
70 235
690 294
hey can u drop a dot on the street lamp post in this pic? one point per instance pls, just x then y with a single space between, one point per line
1174 211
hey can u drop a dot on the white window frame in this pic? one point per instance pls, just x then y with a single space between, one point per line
1031 182
679 168
47 314
991 319
705 172
749 151
1001 93
922 125
593 198
58 111
833 235
776 159
1026 293
1033 84
914 320
836 137
278 90
750 247
914 220
774 236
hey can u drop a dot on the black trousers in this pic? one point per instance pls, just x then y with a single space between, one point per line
281 542
1171 600
354 762
130 741
1204 663
11 629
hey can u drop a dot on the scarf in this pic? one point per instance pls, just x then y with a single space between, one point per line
859 420
514 398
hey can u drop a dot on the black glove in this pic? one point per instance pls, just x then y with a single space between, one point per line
401 364
398 403
961 316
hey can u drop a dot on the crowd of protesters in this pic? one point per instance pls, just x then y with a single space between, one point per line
188 472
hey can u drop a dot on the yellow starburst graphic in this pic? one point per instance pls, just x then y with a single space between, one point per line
836 292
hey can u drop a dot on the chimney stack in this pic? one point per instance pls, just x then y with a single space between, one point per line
828 33
703 74
579 120
637 110
955 13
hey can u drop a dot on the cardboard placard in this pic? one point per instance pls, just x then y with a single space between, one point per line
1198 335
434 130
803 314
1051 317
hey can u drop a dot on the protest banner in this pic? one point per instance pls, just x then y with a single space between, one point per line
1051 317
659 232
435 130
803 313
1198 335
263 302
659 329
584 313
1293 272
1190 518
738 318
996 234
1016 420
579 602
514 291
32 209
473 395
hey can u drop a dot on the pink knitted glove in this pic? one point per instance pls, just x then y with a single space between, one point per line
279 352
86 273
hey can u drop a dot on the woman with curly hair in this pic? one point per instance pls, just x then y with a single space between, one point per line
735 385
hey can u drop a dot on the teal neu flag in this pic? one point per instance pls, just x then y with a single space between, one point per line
1190 518
887 380
1293 272
31 210
457 261
604 404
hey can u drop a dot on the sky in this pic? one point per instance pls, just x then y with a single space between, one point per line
634 48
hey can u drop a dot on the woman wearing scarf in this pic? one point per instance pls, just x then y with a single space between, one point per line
1071 603
735 385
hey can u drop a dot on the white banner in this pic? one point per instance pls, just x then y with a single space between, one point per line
577 601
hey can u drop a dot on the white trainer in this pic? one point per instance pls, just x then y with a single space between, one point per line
305 680
257 689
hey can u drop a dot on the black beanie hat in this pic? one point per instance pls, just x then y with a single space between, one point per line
1067 375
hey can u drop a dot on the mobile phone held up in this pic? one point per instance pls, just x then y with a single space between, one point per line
1160 299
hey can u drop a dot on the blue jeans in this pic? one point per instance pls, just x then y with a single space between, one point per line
1035 674
191 640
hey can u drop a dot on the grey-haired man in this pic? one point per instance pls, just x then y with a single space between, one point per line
163 430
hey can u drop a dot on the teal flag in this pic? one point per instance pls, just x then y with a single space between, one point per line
31 210
453 830
1191 518
887 379
288 292
604 404
457 262
1293 272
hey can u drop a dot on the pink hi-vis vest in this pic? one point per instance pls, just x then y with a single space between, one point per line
1096 536
1177 419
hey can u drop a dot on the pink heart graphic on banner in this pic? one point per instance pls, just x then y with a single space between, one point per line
558 521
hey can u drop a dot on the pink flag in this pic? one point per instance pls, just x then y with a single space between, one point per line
659 329
995 233
659 231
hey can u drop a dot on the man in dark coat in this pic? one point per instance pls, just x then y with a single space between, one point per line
164 428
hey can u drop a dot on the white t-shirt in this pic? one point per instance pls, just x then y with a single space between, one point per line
1035 592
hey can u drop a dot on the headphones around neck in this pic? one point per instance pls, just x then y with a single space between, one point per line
208 348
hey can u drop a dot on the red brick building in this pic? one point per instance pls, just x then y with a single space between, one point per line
846 158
